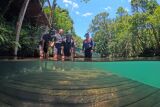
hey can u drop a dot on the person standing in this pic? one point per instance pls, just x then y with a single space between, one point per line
88 46
68 46
45 44
58 44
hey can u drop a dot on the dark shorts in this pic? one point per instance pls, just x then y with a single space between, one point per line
45 48
57 49
67 51
88 53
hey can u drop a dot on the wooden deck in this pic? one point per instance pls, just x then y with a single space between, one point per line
76 89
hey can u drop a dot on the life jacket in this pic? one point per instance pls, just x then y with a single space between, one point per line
88 44
68 42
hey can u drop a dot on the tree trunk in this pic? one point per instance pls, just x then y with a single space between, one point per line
53 8
51 11
19 24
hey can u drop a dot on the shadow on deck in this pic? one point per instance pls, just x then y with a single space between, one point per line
64 88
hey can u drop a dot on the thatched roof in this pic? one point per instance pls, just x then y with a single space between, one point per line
34 13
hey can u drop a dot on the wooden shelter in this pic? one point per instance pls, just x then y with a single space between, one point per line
28 11
33 15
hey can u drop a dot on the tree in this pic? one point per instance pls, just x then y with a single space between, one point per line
121 12
155 26
100 29
151 6
143 5
61 19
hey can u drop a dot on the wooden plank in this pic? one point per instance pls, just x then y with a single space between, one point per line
2 104
99 91
68 81
72 81
13 102
110 99
83 92
147 101
156 105
70 86
124 101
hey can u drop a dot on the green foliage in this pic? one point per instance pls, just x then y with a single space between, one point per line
100 27
30 35
129 35
78 40
47 10
62 20
6 35
29 39
143 5
121 12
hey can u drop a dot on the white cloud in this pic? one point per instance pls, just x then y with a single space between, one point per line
129 1
125 1
77 12
67 1
87 14
75 5
66 5
127 9
108 8
70 2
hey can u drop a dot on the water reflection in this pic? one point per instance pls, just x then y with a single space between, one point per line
67 84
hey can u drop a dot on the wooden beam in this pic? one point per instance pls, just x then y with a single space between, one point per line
19 23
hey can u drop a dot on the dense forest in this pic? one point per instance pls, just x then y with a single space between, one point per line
31 33
129 35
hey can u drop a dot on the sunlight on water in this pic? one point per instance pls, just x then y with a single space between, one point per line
83 84
143 71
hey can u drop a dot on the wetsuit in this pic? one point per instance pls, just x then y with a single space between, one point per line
68 43
87 47
46 39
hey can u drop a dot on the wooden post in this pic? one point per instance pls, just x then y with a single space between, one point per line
19 24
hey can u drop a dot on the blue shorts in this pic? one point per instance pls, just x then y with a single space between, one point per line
57 49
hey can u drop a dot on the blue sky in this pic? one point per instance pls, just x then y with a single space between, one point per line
82 13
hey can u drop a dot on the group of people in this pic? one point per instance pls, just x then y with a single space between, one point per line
63 45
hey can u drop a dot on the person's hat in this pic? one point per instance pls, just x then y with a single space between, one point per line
68 35
87 34
52 31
